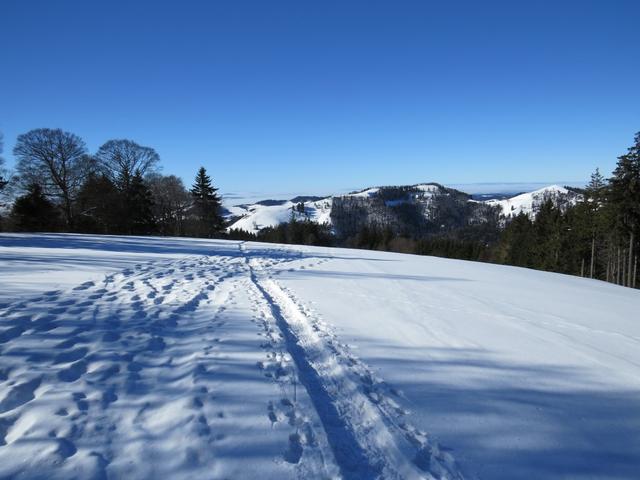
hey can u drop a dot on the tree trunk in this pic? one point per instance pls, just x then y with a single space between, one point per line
582 268
593 255
635 271
630 267
67 209
618 268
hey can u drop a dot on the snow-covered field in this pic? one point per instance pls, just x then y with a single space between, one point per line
124 357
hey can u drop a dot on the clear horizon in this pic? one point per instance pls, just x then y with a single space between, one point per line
512 188
323 99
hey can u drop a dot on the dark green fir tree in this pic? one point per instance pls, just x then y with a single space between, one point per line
207 206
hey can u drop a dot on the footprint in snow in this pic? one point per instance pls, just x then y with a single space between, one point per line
295 450
202 426
19 395
73 372
108 397
66 448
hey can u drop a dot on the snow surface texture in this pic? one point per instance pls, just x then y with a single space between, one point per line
212 359
255 217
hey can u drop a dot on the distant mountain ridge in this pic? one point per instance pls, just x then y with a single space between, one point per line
407 209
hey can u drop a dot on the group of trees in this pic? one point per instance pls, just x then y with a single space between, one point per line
297 232
117 190
597 238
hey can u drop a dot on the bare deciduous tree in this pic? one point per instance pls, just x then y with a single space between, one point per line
171 201
57 161
120 159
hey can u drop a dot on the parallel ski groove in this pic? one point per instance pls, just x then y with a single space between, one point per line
352 459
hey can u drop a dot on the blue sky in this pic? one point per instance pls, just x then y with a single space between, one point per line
325 96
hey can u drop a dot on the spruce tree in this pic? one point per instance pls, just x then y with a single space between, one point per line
548 234
517 242
207 206
625 195
139 203
33 212
592 205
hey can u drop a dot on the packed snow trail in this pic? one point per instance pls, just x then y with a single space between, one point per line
351 404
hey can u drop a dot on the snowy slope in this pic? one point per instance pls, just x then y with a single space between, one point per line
257 216
529 203
185 358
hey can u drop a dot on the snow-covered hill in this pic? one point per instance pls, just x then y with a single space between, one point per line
130 357
270 213
530 203
254 217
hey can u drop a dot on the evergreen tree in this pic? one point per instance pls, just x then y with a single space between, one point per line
593 202
33 212
548 241
139 204
517 242
207 206
625 195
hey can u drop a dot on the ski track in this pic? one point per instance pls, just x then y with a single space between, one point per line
365 426
79 368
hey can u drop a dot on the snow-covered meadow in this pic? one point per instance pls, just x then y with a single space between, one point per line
130 357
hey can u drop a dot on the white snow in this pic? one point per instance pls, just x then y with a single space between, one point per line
131 357
427 187
528 203
368 192
257 217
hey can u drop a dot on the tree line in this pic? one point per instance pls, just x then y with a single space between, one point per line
117 190
597 237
